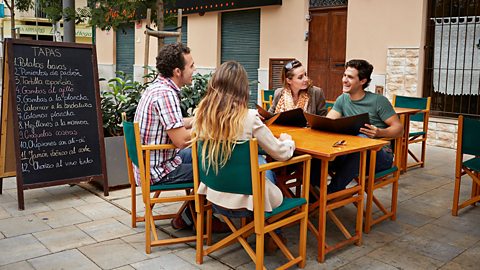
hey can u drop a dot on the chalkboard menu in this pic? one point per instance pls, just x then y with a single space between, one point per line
55 100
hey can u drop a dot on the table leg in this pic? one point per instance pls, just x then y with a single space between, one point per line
322 211
406 131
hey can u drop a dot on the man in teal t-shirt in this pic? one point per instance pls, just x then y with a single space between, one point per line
384 121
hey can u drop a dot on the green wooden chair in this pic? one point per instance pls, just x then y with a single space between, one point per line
467 143
329 104
243 175
267 98
139 154
380 180
422 116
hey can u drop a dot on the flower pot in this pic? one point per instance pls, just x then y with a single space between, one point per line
116 162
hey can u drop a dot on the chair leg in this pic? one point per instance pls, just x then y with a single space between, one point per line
456 195
148 237
260 243
134 205
424 150
199 247
302 244
394 198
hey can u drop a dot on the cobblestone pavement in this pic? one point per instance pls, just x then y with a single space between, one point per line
75 227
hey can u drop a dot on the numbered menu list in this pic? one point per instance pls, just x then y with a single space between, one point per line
57 113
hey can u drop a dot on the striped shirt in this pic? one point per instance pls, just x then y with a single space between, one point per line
158 111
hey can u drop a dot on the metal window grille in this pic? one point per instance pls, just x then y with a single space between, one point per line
452 66
327 3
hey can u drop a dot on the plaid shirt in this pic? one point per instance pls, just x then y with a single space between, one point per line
158 111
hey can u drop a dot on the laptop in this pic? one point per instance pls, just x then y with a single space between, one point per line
346 125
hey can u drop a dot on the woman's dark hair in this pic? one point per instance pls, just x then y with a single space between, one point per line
364 69
171 57
288 69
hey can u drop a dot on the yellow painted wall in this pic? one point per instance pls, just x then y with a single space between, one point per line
375 25
203 37
105 42
282 32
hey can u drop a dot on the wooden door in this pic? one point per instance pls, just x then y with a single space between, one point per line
326 49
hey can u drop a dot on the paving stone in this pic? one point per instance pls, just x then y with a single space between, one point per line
69 259
113 253
3 213
22 225
403 258
106 229
126 267
166 261
415 219
6 197
32 206
466 222
63 217
100 210
36 193
9 183
127 220
188 254
449 236
63 189
19 248
23 265
367 263
138 242
428 247
64 238
470 258
455 266
88 196
61 201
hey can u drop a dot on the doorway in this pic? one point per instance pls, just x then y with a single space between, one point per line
327 49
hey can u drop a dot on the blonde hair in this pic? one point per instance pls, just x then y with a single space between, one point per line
219 117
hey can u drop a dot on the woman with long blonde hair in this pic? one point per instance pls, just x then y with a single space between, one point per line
222 119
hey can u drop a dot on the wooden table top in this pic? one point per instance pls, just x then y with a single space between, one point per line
320 143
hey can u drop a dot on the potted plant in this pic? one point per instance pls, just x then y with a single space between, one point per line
192 94
122 95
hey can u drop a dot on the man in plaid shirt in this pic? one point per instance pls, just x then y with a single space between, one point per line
160 117
161 122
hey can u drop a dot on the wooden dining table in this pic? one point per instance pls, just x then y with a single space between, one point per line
404 114
320 145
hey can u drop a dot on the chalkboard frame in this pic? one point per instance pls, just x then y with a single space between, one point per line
9 63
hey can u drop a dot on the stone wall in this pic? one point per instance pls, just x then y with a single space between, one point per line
441 132
402 79
402 72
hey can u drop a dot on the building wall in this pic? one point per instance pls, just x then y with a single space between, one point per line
374 26
282 35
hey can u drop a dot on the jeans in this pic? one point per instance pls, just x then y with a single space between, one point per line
346 167
184 172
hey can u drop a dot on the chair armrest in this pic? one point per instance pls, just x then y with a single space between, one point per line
278 164
158 146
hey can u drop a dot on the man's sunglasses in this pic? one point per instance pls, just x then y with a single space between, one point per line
292 64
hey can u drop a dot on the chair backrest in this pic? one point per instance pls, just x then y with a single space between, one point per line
130 141
329 104
469 130
236 175
413 103
267 98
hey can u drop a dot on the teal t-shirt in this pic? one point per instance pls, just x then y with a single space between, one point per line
377 106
